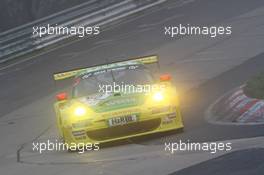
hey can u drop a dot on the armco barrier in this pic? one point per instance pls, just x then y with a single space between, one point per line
20 41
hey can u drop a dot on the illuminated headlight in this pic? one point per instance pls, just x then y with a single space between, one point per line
158 96
80 111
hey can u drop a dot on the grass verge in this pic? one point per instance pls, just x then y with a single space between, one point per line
255 87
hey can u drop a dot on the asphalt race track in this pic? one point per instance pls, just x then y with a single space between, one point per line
203 69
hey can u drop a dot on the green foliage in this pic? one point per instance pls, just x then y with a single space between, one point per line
255 87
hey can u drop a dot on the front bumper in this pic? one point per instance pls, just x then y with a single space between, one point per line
147 124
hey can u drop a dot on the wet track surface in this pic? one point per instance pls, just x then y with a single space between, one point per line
25 86
246 157
196 128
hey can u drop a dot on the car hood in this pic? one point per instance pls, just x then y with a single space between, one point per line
110 102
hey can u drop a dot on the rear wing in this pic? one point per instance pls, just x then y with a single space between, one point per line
72 73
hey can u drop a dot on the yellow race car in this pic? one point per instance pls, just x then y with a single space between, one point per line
116 101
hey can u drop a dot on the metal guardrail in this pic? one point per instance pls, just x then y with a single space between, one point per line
20 41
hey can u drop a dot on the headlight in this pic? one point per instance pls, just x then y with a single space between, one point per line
80 111
158 96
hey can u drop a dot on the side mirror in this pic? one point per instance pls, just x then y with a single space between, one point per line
165 77
61 96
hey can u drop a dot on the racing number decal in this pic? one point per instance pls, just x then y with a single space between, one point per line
122 120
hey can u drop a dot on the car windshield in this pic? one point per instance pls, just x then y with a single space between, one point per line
90 83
